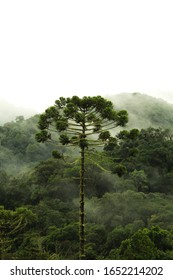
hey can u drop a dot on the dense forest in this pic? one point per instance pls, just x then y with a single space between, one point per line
128 190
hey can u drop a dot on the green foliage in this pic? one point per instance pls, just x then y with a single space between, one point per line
63 241
18 147
146 244
119 169
138 247
13 224
128 186
104 135
56 154
43 136
64 139
80 118
140 180
147 151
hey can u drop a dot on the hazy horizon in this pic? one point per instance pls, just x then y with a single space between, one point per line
46 103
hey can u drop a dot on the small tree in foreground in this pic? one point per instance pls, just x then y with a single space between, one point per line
83 122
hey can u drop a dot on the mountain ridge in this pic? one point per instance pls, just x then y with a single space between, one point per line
144 110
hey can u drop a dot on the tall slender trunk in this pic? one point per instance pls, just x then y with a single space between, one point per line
82 199
82 208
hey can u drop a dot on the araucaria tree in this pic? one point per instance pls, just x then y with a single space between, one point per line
81 122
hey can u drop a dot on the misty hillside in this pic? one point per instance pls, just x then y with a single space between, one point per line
9 112
19 148
128 190
144 111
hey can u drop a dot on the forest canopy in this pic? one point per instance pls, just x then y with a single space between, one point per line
128 191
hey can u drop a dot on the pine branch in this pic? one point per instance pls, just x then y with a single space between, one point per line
101 167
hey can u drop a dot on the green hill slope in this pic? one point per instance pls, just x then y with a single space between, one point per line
144 111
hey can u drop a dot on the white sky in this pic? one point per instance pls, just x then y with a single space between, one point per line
57 48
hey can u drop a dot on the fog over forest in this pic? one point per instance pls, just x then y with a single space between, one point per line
128 186
88 175
9 111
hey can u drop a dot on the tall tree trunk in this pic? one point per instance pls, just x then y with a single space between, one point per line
82 214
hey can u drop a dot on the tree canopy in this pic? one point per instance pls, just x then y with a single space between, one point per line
78 120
